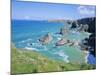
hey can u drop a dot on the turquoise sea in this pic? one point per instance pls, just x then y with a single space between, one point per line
25 32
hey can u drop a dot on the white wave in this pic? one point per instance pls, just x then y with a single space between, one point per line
45 48
37 45
66 59
63 55
58 38
23 41
34 44
31 48
73 32
86 57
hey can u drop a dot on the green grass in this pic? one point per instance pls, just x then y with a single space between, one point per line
25 61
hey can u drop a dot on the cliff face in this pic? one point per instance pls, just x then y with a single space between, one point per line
92 44
73 25
91 22
91 41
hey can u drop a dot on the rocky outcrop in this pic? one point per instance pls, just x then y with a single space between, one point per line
92 44
89 44
91 22
83 27
46 38
63 31
74 24
61 42
89 25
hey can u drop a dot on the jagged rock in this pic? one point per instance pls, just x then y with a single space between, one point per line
74 24
61 42
86 27
69 22
46 38
89 44
83 27
63 31
91 22
92 44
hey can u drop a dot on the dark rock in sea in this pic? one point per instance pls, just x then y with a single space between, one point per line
31 44
63 31
91 44
74 24
69 22
83 46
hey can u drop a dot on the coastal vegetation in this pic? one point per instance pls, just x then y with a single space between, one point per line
28 61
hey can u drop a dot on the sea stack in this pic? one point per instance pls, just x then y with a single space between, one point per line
61 42
46 38
63 31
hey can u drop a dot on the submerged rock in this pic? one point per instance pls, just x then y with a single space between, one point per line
46 38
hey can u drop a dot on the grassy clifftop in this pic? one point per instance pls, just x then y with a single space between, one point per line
25 61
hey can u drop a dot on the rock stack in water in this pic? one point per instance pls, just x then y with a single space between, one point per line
61 42
63 31
46 38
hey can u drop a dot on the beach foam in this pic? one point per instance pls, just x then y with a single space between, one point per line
31 48
63 55
27 40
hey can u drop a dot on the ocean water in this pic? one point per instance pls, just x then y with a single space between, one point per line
26 32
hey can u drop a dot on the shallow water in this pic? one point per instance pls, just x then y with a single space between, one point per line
25 33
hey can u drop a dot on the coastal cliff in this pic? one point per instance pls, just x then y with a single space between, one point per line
91 41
